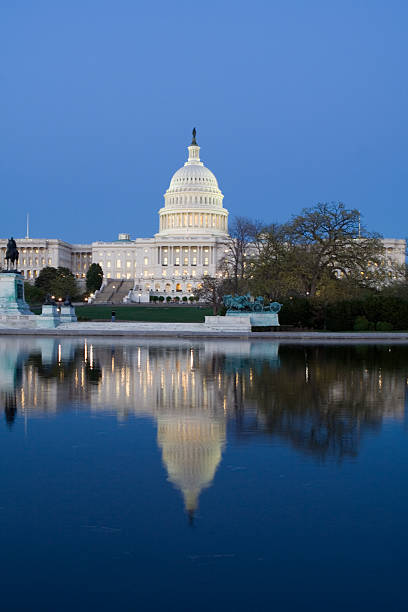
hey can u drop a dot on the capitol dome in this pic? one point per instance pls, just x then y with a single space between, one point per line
193 201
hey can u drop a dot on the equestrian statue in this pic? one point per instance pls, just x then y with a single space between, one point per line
11 255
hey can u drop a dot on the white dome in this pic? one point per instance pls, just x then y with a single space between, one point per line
193 178
193 201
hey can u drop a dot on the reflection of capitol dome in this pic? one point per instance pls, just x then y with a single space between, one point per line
192 448
193 201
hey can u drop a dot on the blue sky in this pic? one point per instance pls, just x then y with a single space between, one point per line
295 102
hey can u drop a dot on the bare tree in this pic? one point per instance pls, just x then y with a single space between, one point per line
241 243
212 290
331 243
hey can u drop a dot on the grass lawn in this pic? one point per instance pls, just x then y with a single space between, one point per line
162 314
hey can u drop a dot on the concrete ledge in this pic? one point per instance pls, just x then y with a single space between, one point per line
199 330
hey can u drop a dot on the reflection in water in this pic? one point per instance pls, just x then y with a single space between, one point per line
319 399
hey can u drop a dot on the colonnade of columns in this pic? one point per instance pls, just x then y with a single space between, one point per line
193 219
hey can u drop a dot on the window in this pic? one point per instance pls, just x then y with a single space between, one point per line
176 273
128 275
118 263
49 261
146 261
128 263
117 274
205 272
177 261
43 261
165 261
108 275
186 261
194 261
206 261
145 273
164 272
108 264
193 273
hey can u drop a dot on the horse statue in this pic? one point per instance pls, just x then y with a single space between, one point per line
11 254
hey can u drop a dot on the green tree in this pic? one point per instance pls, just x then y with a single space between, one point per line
46 278
33 294
57 281
94 277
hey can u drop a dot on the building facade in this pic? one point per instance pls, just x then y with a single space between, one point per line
190 243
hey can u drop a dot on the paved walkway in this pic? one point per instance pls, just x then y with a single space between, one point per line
191 330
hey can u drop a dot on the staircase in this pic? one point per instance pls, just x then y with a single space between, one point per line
114 292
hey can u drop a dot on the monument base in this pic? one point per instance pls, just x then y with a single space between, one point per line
258 319
14 310
241 323
68 314
12 300
49 317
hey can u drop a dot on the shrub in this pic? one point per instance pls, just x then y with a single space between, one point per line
168 299
32 294
154 298
161 298
361 324
191 298
383 326
177 299
184 298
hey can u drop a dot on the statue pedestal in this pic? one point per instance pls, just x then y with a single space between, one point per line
14 310
241 323
49 318
68 314
258 319
12 294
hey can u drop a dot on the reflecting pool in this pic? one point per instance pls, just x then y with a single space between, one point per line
183 475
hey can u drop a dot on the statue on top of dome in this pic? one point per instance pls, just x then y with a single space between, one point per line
194 142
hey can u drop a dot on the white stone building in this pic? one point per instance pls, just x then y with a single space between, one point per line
193 226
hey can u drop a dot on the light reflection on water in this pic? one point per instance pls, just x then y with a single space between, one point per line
319 399
207 400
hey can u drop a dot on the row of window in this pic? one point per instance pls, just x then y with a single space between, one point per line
194 199
28 261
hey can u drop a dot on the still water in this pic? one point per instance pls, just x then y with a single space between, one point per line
178 475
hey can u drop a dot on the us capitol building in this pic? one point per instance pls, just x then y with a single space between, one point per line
193 227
